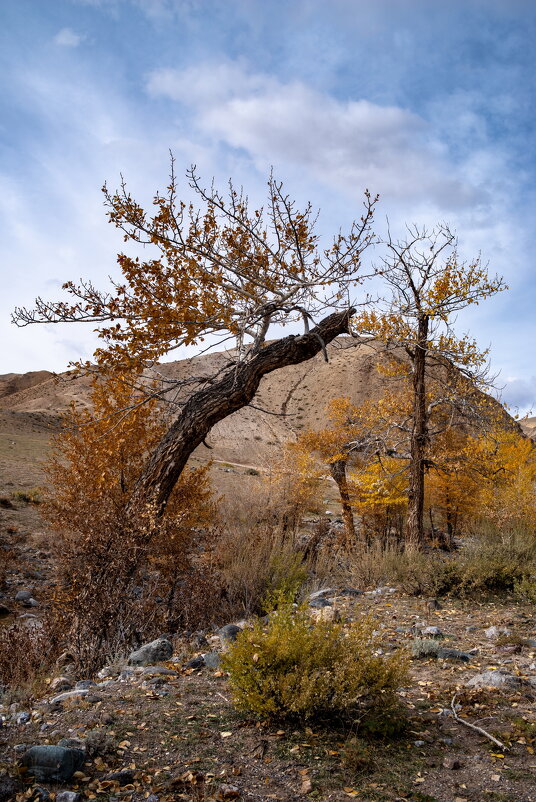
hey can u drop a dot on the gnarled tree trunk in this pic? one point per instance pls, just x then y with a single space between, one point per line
233 391
338 472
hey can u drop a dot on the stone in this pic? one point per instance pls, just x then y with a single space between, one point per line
452 764
150 653
318 604
168 672
69 696
453 654
330 614
229 632
40 794
31 603
494 632
123 777
84 684
23 596
22 718
495 679
52 763
61 684
73 743
418 743
196 663
319 594
227 792
432 632
68 796
350 592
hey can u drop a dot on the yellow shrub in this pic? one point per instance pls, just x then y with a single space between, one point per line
292 668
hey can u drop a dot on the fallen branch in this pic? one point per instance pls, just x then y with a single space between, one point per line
474 727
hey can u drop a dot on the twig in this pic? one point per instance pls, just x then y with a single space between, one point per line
474 727
222 697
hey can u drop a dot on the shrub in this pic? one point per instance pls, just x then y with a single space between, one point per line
31 496
292 668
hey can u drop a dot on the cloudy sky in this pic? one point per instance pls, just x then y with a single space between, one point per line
428 102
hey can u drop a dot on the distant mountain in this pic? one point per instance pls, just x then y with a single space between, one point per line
289 400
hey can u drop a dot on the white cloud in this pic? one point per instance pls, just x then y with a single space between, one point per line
348 145
68 38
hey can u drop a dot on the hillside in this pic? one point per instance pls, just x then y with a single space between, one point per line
288 401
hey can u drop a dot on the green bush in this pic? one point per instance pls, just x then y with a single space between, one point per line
292 668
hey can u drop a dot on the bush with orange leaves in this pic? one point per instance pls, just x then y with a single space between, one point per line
115 560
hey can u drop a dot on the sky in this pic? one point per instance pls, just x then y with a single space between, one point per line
430 103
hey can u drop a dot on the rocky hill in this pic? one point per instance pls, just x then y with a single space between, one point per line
288 401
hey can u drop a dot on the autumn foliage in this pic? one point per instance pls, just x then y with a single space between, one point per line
113 563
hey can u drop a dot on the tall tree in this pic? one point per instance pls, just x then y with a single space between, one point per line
427 285
219 272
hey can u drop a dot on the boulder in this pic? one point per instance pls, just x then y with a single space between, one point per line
68 796
61 684
495 632
52 763
495 679
320 594
151 653
229 632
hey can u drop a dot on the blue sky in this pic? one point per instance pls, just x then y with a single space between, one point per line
428 102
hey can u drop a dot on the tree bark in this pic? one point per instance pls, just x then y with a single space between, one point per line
207 407
419 439
338 472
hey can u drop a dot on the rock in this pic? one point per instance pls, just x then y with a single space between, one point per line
494 632
229 632
151 653
212 659
472 628
495 679
123 777
52 763
432 632
22 718
68 796
61 684
69 696
23 596
350 592
84 684
453 654
73 743
318 604
168 672
40 794
31 603
326 614
433 604
319 594
196 663
452 764
418 743
227 792
9 788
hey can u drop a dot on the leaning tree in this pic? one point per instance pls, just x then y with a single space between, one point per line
219 272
